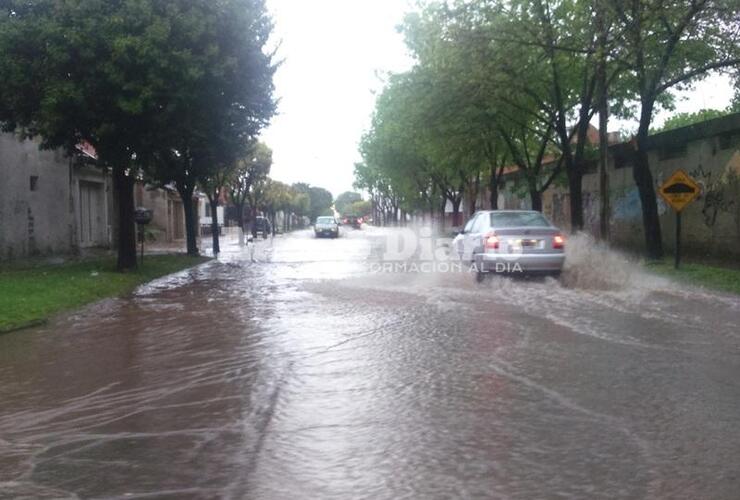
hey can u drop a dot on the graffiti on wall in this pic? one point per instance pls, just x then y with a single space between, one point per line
591 207
627 205
559 206
720 193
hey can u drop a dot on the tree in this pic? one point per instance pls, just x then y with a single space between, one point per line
79 71
685 119
361 208
345 200
403 165
214 186
277 199
552 85
300 202
321 201
153 86
252 169
219 93
667 45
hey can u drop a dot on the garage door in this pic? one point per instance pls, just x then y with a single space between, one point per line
92 214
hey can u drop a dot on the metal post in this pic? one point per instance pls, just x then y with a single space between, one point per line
678 240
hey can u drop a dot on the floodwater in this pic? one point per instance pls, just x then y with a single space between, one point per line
306 373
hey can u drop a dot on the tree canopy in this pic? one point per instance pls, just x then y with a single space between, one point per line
504 93
345 200
174 89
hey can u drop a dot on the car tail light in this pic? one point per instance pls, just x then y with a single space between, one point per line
558 242
491 241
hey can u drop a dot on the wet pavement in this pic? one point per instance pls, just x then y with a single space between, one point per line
308 374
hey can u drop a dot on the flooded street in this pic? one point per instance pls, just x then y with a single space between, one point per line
305 374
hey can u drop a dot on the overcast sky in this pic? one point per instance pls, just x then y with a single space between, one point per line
335 53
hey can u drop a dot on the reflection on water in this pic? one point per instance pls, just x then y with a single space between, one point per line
304 375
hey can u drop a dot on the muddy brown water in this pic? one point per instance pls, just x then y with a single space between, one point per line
308 374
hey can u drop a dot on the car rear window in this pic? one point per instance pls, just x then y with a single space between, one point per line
518 219
325 220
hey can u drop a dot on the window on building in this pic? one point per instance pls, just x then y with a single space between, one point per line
34 183
208 209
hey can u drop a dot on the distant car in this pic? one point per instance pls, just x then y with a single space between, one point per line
351 220
261 226
326 226
511 242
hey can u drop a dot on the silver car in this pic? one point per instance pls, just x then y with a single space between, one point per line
326 226
511 242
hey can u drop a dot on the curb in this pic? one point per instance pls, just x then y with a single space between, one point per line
23 326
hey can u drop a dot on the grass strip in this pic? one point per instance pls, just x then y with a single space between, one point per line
31 293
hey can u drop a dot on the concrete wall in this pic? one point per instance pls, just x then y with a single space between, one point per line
168 220
40 221
709 152
46 220
710 225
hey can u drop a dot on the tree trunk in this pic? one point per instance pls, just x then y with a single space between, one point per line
187 204
252 218
603 109
494 197
493 188
430 202
456 202
535 197
443 213
123 186
240 222
650 218
214 226
575 186
474 192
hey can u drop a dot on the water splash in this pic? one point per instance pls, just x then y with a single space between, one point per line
591 265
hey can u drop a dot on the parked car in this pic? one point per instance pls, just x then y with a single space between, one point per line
511 242
261 226
326 226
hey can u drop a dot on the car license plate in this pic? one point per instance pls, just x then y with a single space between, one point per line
520 245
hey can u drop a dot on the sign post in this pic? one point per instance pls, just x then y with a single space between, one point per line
679 191
142 216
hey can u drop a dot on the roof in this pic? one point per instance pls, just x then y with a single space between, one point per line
87 149
695 132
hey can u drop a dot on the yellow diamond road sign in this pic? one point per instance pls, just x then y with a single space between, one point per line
679 190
